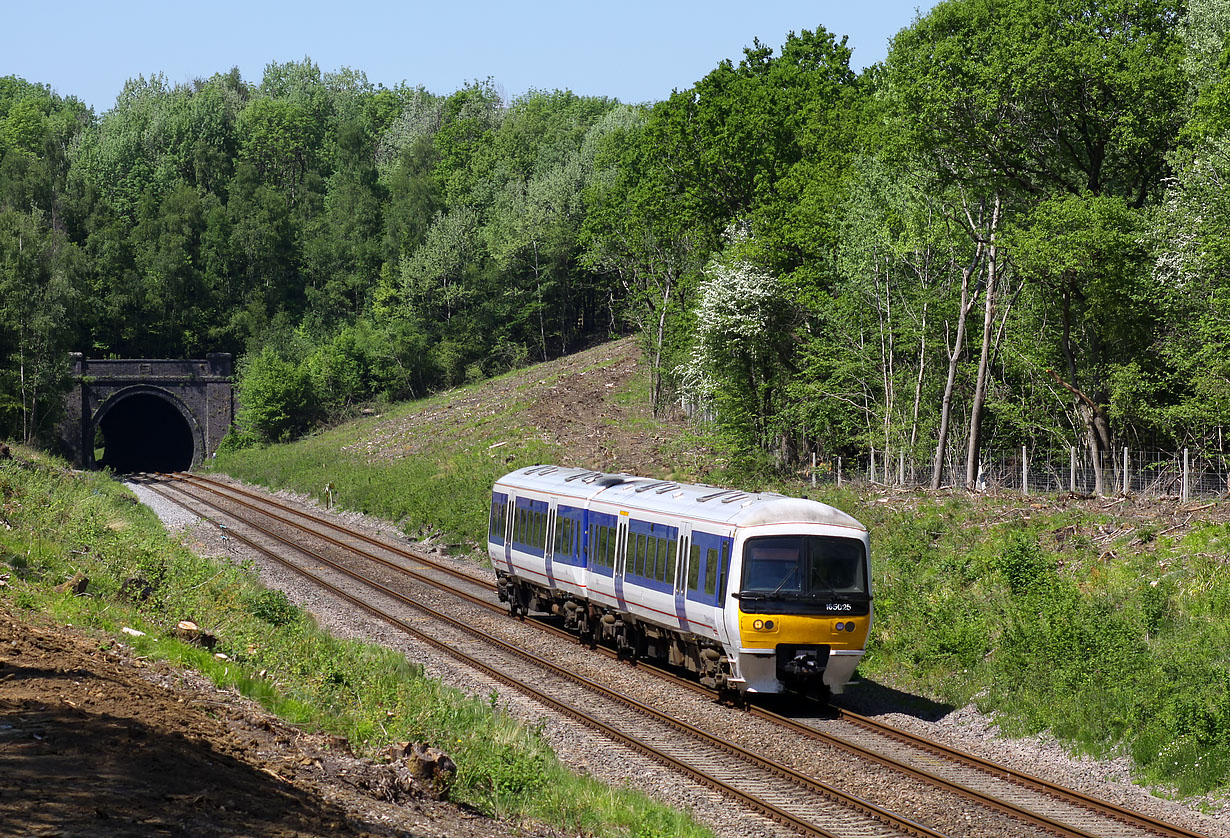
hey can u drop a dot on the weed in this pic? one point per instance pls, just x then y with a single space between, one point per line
274 608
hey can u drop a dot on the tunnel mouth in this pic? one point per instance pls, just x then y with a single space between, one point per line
143 432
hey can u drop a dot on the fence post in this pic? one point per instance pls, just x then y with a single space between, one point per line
1187 475
1024 470
873 465
839 472
1072 467
1126 479
901 467
813 469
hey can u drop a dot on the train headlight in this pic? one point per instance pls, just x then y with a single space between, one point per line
849 626
768 624
758 625
839 626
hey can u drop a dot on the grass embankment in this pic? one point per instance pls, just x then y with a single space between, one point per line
60 523
1109 632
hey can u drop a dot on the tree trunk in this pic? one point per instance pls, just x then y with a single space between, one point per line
954 358
984 359
918 382
1093 414
656 394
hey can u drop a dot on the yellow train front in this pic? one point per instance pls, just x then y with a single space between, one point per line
752 591
801 604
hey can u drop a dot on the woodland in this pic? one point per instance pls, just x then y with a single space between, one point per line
1012 231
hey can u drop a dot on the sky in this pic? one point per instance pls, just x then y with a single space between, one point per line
631 50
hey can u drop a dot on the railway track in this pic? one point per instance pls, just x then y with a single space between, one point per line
777 791
1029 799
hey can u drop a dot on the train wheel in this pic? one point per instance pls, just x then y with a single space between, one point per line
518 602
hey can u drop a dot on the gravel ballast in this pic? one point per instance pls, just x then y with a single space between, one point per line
963 728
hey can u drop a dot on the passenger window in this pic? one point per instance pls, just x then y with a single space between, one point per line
672 549
711 566
639 566
694 568
660 570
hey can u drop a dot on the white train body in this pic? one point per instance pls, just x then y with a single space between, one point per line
754 592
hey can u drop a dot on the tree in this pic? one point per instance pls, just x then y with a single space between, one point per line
37 272
1084 254
1033 100
741 336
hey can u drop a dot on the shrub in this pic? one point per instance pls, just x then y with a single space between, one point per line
276 398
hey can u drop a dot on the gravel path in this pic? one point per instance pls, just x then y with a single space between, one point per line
964 728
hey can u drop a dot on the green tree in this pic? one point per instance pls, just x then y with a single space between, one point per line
37 287
1035 100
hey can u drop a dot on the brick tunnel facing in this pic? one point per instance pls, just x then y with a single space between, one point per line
144 433
147 414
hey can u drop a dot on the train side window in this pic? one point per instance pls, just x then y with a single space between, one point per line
638 566
659 571
672 549
694 568
725 568
711 567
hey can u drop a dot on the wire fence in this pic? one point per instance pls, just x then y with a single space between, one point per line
1183 474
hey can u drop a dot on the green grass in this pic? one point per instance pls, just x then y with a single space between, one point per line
1115 647
61 523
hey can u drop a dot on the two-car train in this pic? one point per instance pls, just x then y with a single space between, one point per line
753 592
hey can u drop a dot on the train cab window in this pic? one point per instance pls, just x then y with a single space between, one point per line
493 523
772 564
804 564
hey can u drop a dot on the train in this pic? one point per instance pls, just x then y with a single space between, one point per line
752 592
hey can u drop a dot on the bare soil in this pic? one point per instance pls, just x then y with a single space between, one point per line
579 403
95 741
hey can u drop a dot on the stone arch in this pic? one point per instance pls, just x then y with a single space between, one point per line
118 400
156 396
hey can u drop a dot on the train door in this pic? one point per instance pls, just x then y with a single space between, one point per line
548 549
728 609
510 505
621 558
681 575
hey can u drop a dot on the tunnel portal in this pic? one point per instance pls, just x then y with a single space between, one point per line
147 414
144 432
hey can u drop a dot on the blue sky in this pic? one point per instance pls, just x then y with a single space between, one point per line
634 50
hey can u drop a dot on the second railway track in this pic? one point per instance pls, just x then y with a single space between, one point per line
1027 803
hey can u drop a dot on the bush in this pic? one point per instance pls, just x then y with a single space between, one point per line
276 398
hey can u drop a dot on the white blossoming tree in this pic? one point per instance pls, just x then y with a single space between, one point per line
742 329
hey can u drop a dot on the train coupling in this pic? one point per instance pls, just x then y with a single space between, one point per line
801 663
